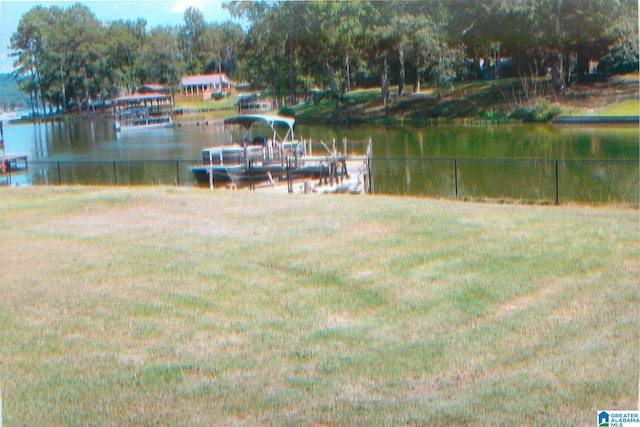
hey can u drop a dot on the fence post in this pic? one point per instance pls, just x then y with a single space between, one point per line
115 175
455 175
178 172
557 184
289 176
59 174
369 166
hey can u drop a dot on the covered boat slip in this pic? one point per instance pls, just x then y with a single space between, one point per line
326 172
10 163
142 111
279 128
259 146
263 148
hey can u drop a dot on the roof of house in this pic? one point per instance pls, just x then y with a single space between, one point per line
205 80
133 98
152 88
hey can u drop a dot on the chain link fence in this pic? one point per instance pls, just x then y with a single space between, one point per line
536 181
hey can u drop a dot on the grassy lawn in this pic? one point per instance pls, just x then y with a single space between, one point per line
628 107
228 103
164 306
488 99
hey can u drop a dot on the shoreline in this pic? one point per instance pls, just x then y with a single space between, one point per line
596 119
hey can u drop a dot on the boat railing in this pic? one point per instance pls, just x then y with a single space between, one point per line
299 150
334 148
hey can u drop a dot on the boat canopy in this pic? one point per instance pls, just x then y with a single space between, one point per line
132 99
273 121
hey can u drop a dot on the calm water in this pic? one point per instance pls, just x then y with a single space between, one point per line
95 139
407 160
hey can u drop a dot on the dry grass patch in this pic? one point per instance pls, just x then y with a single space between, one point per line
184 307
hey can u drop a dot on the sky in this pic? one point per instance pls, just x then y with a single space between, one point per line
155 12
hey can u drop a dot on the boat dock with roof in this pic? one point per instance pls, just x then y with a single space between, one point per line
10 163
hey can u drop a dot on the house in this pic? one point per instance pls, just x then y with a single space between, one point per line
253 102
202 86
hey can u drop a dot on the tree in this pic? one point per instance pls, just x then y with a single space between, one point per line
67 55
419 38
83 37
127 40
191 39
222 42
158 61
28 45
622 54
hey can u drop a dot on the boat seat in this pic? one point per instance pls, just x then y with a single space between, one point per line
259 140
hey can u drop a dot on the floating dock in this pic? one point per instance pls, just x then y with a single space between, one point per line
12 164
353 177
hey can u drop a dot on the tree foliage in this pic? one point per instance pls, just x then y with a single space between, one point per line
66 57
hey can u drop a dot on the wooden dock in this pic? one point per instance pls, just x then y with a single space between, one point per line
13 163
353 179
10 165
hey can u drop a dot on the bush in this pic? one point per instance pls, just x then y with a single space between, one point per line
542 111
217 96
287 111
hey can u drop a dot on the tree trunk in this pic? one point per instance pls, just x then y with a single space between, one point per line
557 71
38 87
35 90
402 73
332 84
64 92
416 84
292 71
384 83
348 74
34 105
85 83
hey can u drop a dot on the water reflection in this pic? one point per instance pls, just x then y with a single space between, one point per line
94 138
407 160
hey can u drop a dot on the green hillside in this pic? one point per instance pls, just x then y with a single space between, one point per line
497 101
10 96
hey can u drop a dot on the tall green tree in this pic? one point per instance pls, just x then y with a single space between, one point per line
191 40
65 55
159 61
127 40
222 45
622 54
28 46
264 50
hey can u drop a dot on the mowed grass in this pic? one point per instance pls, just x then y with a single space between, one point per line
628 107
163 306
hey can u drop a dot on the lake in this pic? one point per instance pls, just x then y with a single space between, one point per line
591 163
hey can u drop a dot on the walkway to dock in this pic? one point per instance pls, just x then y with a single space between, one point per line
356 180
